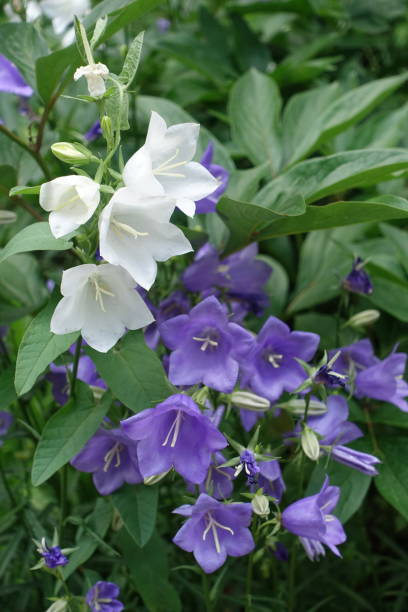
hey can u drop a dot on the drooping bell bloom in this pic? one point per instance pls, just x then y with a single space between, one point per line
205 347
135 233
354 357
101 302
175 304
219 480
209 204
95 75
270 479
383 381
102 597
358 281
163 166
174 434
94 132
215 530
71 201
11 80
111 457
270 367
310 519
335 431
241 277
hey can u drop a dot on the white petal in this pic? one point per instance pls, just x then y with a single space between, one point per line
68 316
195 183
76 278
187 206
138 174
156 131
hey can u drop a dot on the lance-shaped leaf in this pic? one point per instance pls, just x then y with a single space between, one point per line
137 506
35 237
132 59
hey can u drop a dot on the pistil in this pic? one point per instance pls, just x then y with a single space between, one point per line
174 429
213 524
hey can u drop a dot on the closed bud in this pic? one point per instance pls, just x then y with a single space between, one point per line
71 154
60 605
298 407
152 480
107 130
310 443
201 396
7 216
249 401
363 318
260 505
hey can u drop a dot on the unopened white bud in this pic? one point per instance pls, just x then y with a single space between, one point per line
298 406
70 153
58 606
260 505
363 318
7 216
249 401
310 443
152 480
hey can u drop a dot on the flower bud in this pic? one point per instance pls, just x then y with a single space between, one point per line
260 505
60 605
107 130
365 317
249 401
7 216
71 154
298 406
152 480
310 443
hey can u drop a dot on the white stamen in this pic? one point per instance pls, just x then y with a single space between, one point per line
165 166
206 342
110 455
99 290
124 227
175 429
213 524
68 202
274 358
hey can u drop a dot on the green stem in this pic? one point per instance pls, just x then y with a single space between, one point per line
206 592
34 153
75 365
291 579
248 585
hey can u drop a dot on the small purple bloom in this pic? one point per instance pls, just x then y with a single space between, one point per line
330 378
358 281
6 419
94 132
112 458
11 80
383 381
310 519
270 367
209 204
102 597
219 480
163 24
250 466
335 431
53 556
214 530
177 303
206 347
174 434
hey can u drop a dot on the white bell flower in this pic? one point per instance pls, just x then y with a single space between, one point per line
134 232
71 200
163 166
101 302
95 75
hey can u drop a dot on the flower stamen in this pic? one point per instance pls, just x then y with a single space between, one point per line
99 291
165 166
213 524
206 342
174 429
124 227
110 455
274 359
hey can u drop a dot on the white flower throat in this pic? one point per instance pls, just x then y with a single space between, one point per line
163 169
212 525
121 228
100 290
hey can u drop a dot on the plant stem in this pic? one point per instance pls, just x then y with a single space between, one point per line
248 585
291 579
206 592
34 153
75 365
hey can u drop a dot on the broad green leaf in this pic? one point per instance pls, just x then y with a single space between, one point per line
173 113
243 184
338 214
133 372
132 59
390 292
379 131
399 239
149 573
7 392
38 348
117 106
22 288
137 506
22 44
276 287
254 109
392 481
98 523
35 237
319 177
67 431
388 414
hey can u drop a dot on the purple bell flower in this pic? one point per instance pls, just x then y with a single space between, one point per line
112 459
174 434
177 303
214 530
270 479
329 378
209 204
383 381
206 347
249 465
11 80
355 357
270 367
6 420
358 281
53 556
336 431
94 132
219 480
102 597
310 519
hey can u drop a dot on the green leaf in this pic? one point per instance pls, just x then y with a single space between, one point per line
132 59
22 288
67 431
243 184
38 348
392 481
24 190
117 106
254 108
149 572
276 287
137 506
133 372
398 239
35 237
390 292
7 392
319 177
22 44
